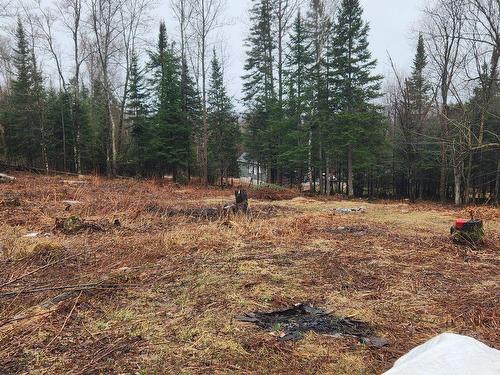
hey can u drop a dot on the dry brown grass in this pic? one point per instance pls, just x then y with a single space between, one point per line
179 282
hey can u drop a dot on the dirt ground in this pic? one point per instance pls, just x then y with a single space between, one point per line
151 282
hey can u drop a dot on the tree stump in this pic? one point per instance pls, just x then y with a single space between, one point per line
241 197
468 232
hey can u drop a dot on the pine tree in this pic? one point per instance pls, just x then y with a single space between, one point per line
353 87
223 126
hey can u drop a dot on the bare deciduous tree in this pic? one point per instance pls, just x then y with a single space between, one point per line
204 20
284 11
69 13
105 26
133 15
483 37
444 36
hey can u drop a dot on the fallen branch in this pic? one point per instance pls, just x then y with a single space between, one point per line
37 270
72 288
44 308
7 321
65 321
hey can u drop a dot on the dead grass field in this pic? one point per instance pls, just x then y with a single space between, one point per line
163 289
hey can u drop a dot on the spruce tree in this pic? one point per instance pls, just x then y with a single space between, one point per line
223 126
418 89
294 150
192 111
22 134
38 109
353 87
58 129
318 25
258 84
171 141
92 116
137 116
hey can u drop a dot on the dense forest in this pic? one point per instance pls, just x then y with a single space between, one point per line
314 112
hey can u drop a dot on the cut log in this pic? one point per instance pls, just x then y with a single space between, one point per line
70 204
75 182
6 179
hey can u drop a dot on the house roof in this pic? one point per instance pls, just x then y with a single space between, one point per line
244 158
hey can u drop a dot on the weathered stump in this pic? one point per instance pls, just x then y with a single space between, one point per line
241 197
468 232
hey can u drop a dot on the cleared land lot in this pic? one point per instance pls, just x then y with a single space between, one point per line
159 293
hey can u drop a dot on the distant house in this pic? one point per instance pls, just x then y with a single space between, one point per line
251 172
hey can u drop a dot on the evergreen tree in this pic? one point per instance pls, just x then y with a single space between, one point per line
93 115
294 151
137 116
58 129
318 25
192 110
353 87
419 105
22 134
38 109
258 86
172 139
223 125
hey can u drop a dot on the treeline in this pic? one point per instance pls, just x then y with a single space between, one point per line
119 107
316 111
316 115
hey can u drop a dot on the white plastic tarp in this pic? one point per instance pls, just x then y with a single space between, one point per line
449 354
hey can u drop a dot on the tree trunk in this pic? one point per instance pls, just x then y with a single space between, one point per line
497 182
350 179
321 168
309 162
457 185
327 177
205 119
63 137
468 179
280 54
113 138
76 114
421 187
442 177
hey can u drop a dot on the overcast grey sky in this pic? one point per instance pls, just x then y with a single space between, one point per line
391 23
